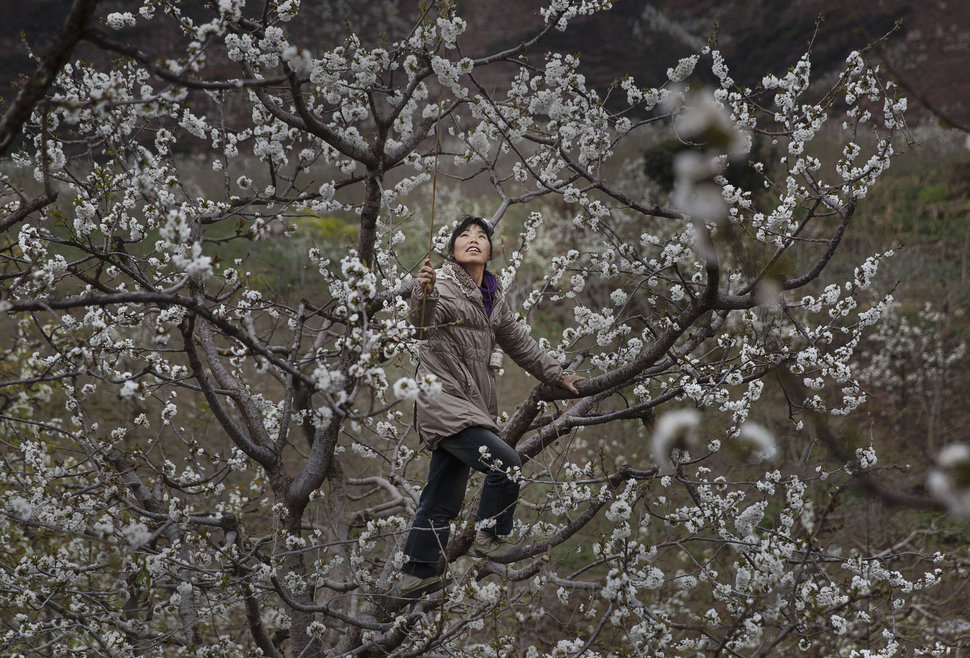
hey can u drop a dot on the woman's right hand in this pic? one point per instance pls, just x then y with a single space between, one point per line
427 277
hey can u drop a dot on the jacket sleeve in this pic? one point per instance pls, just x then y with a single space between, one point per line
424 308
514 338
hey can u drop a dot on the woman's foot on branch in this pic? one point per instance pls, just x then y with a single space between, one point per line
491 546
414 587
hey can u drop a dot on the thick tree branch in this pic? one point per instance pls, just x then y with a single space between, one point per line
27 209
47 69
261 454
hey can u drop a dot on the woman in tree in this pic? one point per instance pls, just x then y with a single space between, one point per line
461 314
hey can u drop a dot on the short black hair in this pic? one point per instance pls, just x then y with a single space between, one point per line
464 223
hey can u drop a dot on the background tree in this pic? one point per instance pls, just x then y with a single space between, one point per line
203 460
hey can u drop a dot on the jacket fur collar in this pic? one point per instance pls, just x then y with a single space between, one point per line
453 270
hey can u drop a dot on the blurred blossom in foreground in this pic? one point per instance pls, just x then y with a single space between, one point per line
703 121
674 430
694 194
757 443
950 481
706 122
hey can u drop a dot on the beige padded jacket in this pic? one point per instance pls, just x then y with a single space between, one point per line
457 340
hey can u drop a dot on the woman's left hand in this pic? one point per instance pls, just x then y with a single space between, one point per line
568 382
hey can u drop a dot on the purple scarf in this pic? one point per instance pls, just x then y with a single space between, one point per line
489 287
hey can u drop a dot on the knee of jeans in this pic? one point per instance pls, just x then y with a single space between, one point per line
442 515
439 523
436 513
510 459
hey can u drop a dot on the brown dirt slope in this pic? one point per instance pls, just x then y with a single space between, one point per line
930 51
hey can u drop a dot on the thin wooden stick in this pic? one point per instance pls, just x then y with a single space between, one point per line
434 171
434 195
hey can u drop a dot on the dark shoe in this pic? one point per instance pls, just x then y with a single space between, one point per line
414 587
491 546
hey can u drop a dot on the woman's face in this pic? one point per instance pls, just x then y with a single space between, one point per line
471 246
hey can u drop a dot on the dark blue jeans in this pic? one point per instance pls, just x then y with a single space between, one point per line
441 499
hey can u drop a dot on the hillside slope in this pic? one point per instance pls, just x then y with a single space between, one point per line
929 50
